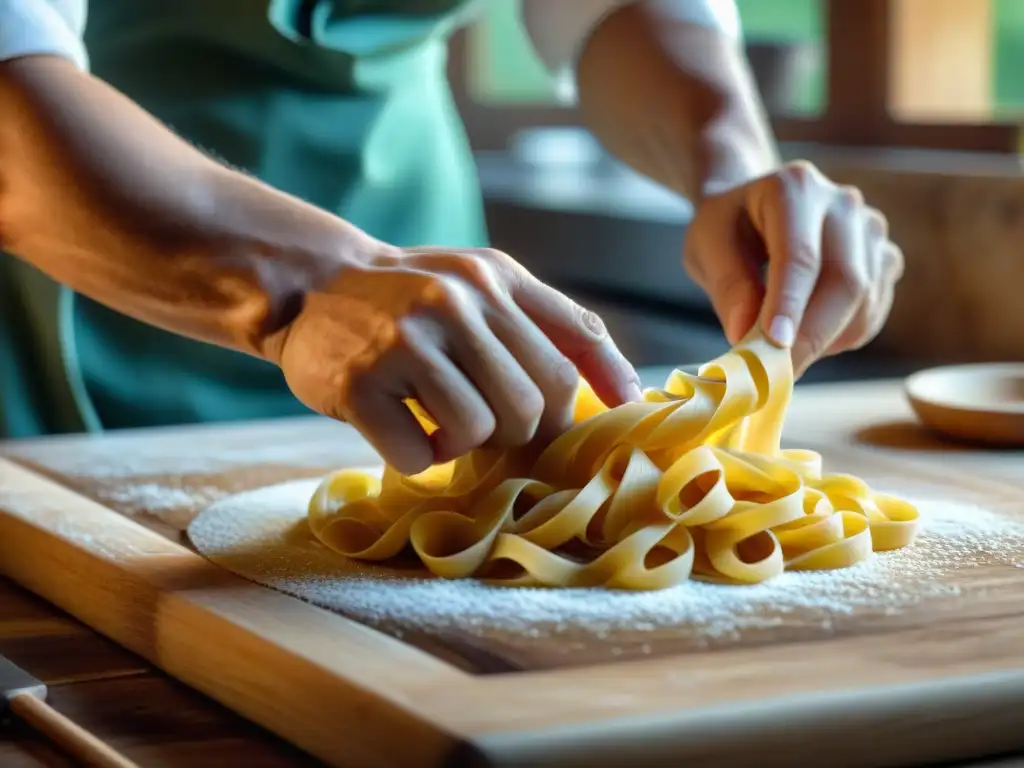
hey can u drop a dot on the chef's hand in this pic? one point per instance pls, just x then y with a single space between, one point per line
491 353
831 268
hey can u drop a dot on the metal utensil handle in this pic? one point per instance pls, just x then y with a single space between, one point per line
71 737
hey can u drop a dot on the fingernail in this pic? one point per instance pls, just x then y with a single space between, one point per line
782 331
633 392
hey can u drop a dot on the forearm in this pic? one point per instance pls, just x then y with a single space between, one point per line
103 198
676 101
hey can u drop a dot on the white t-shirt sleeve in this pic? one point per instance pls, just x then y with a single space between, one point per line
55 27
559 28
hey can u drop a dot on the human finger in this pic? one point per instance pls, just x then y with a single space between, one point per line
788 210
576 332
464 418
884 268
731 279
522 374
845 283
875 311
580 335
390 427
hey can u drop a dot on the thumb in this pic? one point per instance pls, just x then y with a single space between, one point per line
730 276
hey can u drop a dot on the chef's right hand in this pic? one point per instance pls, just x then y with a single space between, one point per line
490 352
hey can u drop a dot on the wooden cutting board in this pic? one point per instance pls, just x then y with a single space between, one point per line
95 525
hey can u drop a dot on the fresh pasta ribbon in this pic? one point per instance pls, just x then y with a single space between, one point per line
691 482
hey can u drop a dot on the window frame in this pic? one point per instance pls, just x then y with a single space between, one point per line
861 60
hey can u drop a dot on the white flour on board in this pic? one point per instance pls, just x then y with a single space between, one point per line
122 455
262 536
156 498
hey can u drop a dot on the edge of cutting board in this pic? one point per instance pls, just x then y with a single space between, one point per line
350 695
333 687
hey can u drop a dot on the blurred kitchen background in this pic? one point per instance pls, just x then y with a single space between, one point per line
915 101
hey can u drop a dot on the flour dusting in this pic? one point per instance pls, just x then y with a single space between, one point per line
262 536
156 498
123 455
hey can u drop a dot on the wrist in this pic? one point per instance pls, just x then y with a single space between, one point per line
282 249
733 149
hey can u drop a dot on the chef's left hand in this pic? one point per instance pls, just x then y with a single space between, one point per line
831 268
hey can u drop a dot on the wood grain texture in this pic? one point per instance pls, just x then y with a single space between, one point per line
119 698
64 732
195 621
153 719
155 722
943 56
960 228
343 691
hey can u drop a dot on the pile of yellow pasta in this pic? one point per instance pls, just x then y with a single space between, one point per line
689 483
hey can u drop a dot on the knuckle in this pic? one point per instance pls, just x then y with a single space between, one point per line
492 255
358 376
564 377
799 173
476 271
804 261
478 430
433 289
409 342
860 325
590 323
466 426
405 336
529 408
864 329
849 197
350 390
895 263
854 277
501 264
442 293
779 186
792 299
876 223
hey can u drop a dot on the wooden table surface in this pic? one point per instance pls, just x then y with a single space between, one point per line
159 722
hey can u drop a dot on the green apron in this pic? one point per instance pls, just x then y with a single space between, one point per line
343 103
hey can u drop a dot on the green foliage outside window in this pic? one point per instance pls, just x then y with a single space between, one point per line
506 69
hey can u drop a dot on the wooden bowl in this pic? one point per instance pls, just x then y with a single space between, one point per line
982 403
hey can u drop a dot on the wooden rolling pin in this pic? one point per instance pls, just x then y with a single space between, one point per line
25 698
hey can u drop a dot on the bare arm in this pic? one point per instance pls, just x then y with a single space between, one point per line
99 195
664 85
103 198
